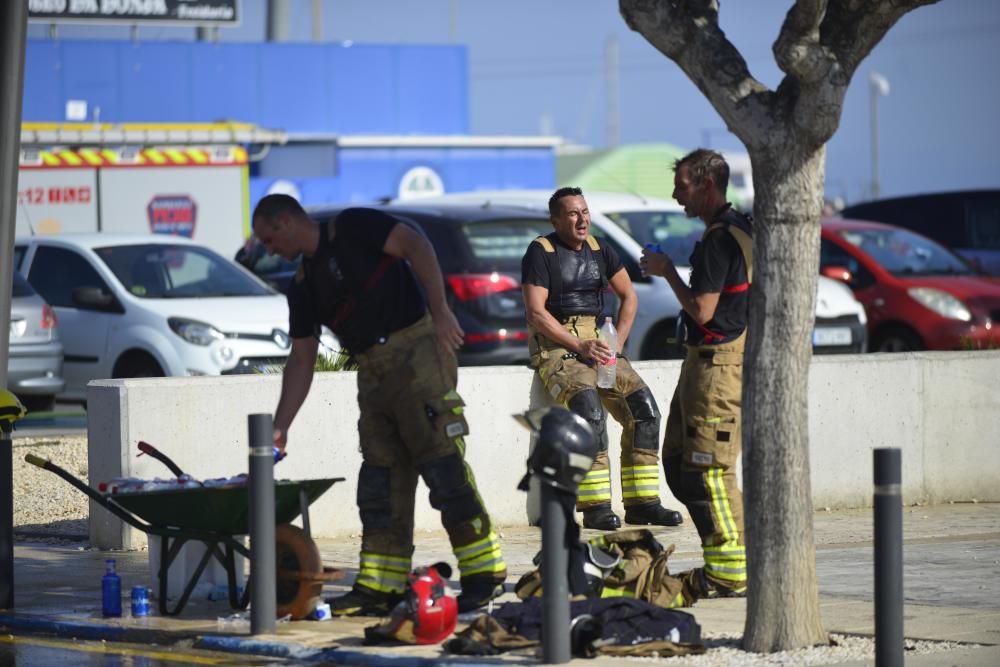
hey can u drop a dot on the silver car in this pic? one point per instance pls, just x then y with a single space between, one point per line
35 356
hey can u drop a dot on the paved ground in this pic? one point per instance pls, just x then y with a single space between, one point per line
951 587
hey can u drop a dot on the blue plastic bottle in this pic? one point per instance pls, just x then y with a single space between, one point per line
111 590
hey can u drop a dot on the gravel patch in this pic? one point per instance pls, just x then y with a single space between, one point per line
46 507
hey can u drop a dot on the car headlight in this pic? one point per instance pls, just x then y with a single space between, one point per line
195 332
940 302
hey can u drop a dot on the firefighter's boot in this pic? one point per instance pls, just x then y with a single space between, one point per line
601 518
363 601
477 592
652 514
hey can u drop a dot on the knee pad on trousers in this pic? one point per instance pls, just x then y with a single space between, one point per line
688 486
587 404
374 496
451 492
646 417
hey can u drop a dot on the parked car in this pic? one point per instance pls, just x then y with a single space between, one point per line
917 293
35 354
968 221
840 318
152 305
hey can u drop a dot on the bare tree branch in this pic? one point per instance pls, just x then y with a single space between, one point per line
798 50
852 28
688 33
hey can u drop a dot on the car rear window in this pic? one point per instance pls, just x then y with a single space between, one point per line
499 245
673 231
21 286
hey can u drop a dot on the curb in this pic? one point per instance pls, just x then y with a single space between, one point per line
45 625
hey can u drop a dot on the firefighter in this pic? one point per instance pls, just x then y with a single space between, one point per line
702 440
361 275
565 276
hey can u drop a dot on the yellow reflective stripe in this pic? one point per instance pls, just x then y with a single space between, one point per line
382 573
69 157
594 495
91 156
109 155
452 396
479 546
457 411
641 470
726 550
176 156
154 156
492 566
48 158
641 492
197 156
609 592
597 474
719 499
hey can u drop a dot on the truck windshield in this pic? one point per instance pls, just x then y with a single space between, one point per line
163 271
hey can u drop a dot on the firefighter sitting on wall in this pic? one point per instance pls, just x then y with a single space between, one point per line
361 275
702 440
565 276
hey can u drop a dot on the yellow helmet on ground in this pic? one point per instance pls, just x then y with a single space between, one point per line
10 409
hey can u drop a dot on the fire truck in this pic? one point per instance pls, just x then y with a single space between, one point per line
190 180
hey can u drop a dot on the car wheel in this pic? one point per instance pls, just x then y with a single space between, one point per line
137 365
896 339
656 344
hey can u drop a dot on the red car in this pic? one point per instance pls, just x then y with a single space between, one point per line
918 294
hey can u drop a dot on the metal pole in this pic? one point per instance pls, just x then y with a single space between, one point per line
13 27
888 558
873 120
278 21
612 99
263 584
555 575
317 20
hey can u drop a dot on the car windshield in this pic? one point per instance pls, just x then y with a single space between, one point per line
675 233
499 245
163 271
903 253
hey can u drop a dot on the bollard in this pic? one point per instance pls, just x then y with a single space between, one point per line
888 541
555 578
263 585
7 512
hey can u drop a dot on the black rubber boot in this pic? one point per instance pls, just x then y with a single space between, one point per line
478 593
652 514
361 601
601 518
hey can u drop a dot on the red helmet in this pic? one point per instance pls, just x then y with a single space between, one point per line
427 614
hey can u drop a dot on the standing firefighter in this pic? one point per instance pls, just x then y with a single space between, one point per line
361 275
565 276
702 439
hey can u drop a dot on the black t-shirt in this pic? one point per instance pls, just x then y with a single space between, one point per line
718 265
573 277
352 286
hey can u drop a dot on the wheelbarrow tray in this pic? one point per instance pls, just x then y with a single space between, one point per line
223 509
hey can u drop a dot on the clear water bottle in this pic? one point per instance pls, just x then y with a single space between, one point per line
606 372
111 590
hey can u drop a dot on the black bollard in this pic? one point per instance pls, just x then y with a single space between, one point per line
7 512
888 558
263 584
555 580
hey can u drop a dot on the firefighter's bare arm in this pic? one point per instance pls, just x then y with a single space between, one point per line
542 320
622 286
406 243
699 305
295 383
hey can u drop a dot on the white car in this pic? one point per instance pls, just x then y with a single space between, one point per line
840 317
152 306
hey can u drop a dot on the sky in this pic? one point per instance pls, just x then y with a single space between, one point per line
539 67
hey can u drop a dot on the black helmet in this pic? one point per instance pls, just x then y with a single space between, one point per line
564 450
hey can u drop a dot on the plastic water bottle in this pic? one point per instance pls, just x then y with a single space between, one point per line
653 247
111 590
606 372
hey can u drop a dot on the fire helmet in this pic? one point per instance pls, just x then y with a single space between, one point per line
427 614
10 409
564 449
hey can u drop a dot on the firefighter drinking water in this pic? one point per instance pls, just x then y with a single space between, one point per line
565 276
361 275
702 440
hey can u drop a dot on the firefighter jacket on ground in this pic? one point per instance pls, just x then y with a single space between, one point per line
703 440
577 281
412 422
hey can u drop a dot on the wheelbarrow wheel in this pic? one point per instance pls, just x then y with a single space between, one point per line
299 569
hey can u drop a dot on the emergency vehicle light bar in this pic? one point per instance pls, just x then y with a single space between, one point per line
145 134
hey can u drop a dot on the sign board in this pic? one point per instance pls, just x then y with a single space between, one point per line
172 214
52 201
159 12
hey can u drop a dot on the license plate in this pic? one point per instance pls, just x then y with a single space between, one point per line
831 336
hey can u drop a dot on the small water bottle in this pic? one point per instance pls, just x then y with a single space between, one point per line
653 247
606 372
111 590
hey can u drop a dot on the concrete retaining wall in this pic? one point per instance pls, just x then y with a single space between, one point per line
941 409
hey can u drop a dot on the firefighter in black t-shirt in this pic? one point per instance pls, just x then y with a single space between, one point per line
565 276
361 275
702 440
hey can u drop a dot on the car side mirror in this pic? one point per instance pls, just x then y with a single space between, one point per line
95 298
837 273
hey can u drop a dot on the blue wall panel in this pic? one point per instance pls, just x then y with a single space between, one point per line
43 94
90 72
431 90
293 88
157 71
224 82
362 85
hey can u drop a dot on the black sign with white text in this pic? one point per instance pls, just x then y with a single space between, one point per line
188 12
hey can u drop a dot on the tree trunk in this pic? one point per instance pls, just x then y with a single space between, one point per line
783 599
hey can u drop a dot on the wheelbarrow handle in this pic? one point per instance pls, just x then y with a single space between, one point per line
146 448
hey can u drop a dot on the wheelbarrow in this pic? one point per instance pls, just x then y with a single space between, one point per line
214 516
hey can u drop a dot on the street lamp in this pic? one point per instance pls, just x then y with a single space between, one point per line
878 86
